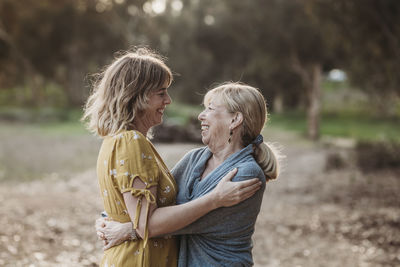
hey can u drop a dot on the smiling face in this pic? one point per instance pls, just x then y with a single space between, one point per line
215 123
153 114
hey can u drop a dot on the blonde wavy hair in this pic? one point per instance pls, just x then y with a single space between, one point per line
121 91
239 97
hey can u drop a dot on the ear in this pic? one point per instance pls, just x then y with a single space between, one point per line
237 120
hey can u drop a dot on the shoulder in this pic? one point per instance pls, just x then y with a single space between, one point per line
194 155
196 152
185 164
132 141
134 154
250 168
131 137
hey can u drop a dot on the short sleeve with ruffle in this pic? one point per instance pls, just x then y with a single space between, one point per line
135 159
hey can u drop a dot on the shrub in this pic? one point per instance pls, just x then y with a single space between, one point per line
377 155
335 161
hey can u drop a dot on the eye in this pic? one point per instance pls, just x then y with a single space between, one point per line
162 93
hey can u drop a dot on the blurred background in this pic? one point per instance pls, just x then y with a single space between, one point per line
329 70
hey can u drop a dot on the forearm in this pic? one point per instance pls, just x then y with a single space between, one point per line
165 220
169 219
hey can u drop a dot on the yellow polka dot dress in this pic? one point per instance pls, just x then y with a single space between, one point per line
122 158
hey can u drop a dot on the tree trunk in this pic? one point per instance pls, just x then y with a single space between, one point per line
314 102
74 83
311 75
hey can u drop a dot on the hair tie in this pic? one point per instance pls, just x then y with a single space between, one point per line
259 139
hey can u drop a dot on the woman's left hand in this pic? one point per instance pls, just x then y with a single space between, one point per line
112 233
228 193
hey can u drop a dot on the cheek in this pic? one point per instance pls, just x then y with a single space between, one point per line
221 129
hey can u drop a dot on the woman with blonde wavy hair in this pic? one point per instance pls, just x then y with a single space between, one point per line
128 99
231 125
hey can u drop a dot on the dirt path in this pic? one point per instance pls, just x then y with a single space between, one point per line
309 217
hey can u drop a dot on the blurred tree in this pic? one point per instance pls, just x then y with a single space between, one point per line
279 46
368 31
59 41
283 47
12 56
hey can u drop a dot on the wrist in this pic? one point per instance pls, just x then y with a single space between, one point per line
214 200
132 234
127 228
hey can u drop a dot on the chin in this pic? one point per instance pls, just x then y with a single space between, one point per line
204 141
158 122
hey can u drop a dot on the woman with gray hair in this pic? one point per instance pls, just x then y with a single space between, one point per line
128 99
231 126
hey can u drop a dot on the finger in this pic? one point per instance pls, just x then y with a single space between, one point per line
253 191
99 235
99 227
251 188
105 247
247 192
230 175
247 195
109 245
243 184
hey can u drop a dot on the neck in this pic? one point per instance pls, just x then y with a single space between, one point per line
220 154
139 126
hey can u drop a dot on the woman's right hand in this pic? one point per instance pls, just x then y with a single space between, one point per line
111 232
228 193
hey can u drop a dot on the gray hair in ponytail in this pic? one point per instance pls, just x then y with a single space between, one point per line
239 97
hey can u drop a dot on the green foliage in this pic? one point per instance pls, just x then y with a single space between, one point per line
44 115
48 48
367 34
49 95
53 42
332 86
181 114
343 125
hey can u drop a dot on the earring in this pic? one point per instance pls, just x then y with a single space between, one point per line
230 133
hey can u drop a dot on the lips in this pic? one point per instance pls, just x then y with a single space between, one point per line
204 127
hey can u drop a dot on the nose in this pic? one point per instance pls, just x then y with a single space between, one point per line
201 116
168 100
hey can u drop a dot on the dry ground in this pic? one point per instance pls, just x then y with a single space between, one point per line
309 217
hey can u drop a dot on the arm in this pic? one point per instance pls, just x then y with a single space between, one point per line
169 219
211 222
172 218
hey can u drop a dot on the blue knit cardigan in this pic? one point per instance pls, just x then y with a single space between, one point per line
223 236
